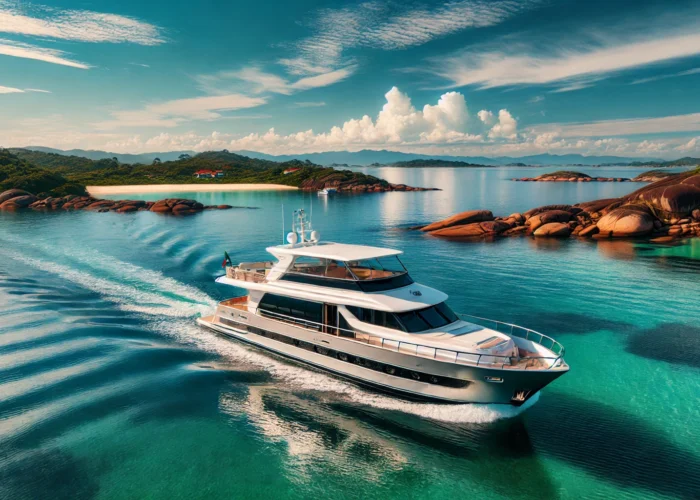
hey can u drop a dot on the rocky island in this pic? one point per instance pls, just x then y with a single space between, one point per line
572 176
661 212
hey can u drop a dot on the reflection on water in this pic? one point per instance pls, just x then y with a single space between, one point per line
108 388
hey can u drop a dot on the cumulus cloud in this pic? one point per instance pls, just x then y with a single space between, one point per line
398 123
692 145
486 116
505 127
78 25
172 113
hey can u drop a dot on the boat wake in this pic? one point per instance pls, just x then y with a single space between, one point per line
169 308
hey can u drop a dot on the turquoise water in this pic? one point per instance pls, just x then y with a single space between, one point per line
109 390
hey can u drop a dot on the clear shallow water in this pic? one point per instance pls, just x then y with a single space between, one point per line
108 390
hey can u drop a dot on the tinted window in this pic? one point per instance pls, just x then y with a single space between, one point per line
321 267
445 310
433 317
371 269
321 281
412 322
385 284
297 308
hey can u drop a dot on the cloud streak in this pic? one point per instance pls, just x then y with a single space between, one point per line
12 90
173 113
76 25
375 25
27 51
634 126
255 80
569 69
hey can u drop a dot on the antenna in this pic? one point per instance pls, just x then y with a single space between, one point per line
283 235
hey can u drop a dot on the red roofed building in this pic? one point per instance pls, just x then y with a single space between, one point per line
291 170
208 174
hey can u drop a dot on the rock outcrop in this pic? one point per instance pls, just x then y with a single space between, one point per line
460 219
625 222
553 230
662 212
15 199
675 196
354 184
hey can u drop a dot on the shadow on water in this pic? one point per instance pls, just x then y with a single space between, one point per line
44 473
612 445
676 343
557 323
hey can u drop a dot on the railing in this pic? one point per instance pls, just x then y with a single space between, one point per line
236 273
436 353
522 332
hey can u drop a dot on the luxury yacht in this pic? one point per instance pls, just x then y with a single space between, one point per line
354 311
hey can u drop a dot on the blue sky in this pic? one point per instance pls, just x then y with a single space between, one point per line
465 77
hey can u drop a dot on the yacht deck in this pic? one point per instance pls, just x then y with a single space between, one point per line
442 348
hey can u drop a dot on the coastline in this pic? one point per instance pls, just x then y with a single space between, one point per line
183 188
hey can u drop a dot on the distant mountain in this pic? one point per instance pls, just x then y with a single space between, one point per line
362 158
92 154
368 157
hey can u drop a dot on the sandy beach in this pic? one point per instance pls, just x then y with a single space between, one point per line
183 188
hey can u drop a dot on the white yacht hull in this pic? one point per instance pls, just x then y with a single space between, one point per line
411 376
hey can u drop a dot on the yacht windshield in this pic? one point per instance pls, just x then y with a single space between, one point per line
379 268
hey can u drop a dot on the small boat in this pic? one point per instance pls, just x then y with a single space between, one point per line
327 191
354 311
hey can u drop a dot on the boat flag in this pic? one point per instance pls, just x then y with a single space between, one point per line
226 259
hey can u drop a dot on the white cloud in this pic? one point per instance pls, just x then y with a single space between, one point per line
486 116
690 146
570 68
323 79
173 113
26 51
10 90
253 79
374 25
633 126
505 127
78 25
308 104
398 123
693 71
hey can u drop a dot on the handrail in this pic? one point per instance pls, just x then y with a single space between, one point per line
411 348
554 346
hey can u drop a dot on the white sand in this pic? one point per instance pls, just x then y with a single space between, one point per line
183 188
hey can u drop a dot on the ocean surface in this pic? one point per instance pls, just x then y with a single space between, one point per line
109 390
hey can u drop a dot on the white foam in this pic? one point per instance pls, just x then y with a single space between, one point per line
301 378
128 297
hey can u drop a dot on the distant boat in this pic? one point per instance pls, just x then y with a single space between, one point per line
327 191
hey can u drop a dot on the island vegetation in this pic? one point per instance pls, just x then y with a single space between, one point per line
40 172
428 163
